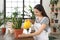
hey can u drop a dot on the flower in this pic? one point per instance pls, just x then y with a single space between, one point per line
27 24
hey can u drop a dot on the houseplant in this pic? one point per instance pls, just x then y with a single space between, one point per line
17 22
31 11
3 26
33 16
27 26
17 27
1 18
54 2
1 22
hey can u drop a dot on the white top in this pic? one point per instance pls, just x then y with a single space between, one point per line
37 25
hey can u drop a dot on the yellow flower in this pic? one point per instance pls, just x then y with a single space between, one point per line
27 24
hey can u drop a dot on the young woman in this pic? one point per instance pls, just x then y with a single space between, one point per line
40 25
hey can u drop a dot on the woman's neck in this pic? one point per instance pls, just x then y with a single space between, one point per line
40 17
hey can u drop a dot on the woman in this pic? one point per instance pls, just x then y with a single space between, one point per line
40 25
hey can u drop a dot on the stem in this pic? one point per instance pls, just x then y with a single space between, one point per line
27 30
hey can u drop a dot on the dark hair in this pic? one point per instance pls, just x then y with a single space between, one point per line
40 8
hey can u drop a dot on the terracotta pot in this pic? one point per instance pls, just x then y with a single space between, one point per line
3 30
52 9
54 29
17 32
52 20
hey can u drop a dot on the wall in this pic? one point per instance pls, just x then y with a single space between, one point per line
47 9
1 5
46 6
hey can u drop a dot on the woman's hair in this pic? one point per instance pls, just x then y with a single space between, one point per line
41 9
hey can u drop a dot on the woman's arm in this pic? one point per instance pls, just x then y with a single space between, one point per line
43 26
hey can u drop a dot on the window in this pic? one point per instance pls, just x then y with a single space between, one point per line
11 4
1 12
1 9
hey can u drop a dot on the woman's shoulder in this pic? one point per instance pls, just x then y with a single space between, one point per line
46 18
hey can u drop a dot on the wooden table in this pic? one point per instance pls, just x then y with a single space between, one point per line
11 37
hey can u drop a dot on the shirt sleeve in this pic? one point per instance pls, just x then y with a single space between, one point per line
45 21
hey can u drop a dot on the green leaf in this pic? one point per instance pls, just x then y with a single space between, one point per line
17 22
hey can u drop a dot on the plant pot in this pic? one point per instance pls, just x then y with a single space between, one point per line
56 21
52 9
56 14
17 32
52 20
54 29
51 5
3 30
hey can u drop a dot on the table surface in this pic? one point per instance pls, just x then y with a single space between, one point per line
11 37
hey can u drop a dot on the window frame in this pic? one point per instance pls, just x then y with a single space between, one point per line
23 8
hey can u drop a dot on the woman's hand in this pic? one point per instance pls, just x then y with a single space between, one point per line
22 35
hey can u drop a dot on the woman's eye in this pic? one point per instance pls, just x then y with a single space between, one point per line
36 12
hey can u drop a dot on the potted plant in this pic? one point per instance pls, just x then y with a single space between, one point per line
54 2
31 10
3 26
3 30
17 22
54 29
27 26
1 22
17 27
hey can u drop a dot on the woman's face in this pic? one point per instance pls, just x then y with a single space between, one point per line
37 12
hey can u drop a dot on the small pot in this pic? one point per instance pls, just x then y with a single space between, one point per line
54 29
51 5
3 30
17 32
52 9
56 21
